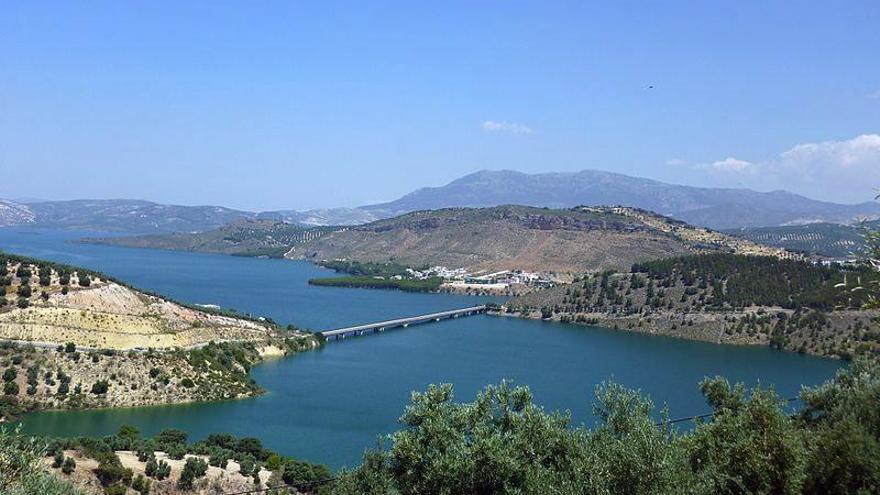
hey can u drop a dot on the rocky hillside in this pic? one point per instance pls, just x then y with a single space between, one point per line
717 208
72 338
12 214
50 303
522 237
244 238
721 298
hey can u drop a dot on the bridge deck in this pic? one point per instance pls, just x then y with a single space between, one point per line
401 322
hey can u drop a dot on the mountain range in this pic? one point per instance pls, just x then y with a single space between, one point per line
146 217
718 208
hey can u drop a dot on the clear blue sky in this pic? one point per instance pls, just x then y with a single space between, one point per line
295 105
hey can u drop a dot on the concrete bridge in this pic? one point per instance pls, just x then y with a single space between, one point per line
381 326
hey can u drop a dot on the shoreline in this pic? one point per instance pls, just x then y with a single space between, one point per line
666 331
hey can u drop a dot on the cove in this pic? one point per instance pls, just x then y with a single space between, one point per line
329 405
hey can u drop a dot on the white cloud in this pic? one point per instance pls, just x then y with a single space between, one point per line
504 126
675 162
731 164
859 152
845 171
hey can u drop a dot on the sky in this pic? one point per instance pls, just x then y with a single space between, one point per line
276 105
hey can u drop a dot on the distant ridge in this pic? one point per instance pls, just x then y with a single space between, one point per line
718 208
146 217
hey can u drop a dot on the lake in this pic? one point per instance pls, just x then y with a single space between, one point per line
329 405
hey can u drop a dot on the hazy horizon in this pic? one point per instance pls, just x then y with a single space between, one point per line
28 199
295 106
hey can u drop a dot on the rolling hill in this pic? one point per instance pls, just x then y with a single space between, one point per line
522 237
822 239
270 238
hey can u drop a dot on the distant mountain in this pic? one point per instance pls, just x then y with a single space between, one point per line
127 215
717 208
144 217
823 239
522 237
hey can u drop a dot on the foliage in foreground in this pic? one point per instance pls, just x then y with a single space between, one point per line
503 443
21 468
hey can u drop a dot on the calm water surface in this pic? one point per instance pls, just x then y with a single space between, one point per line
329 405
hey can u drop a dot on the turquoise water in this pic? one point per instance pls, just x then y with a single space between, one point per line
329 405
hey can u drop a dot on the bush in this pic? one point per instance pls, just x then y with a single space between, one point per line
171 436
246 467
100 387
10 374
21 468
24 291
219 457
115 490
10 388
193 469
157 469
750 445
176 452
187 383
141 485
69 466
110 470
146 451
58 460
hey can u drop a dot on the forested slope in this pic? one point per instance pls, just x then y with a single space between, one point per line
722 297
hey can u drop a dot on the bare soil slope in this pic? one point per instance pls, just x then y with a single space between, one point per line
520 237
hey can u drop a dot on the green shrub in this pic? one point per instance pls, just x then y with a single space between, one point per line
141 485
171 436
157 469
21 468
10 388
219 457
58 459
115 490
246 467
10 374
69 466
193 469
100 387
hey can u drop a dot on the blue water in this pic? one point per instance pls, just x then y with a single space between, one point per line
329 405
